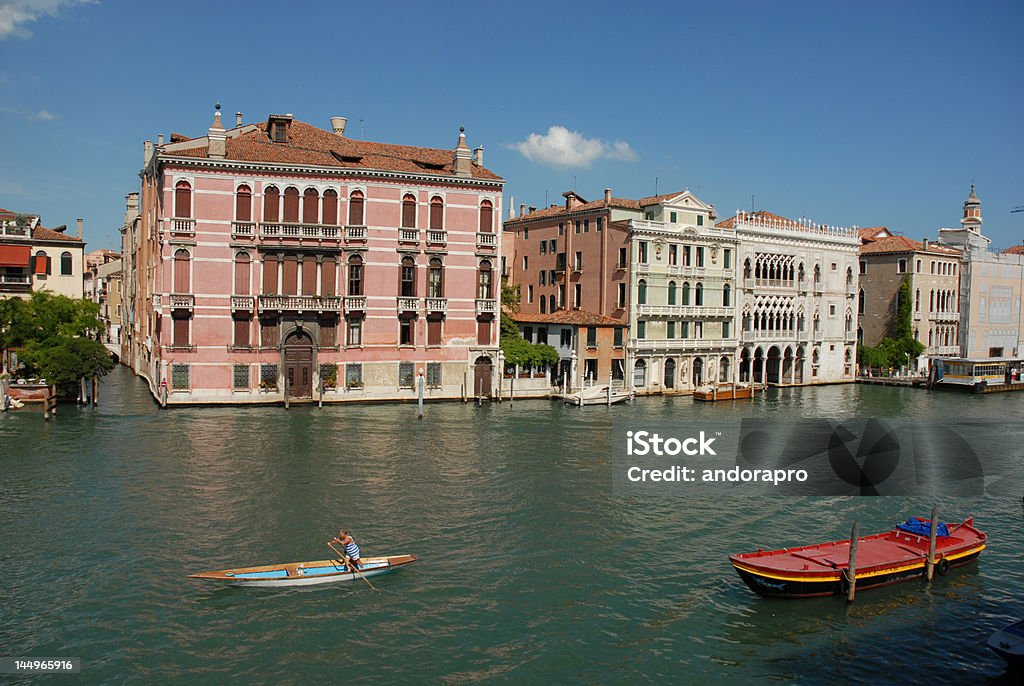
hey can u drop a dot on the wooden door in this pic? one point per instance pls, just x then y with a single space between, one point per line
298 365
482 377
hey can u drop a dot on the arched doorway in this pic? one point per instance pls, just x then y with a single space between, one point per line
759 366
670 373
774 365
639 374
698 372
482 370
745 365
298 365
799 376
787 366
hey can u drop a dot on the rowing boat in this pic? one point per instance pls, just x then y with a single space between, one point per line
304 573
1009 644
885 558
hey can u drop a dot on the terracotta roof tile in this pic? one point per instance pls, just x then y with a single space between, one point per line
895 244
309 145
559 210
870 233
571 317
1015 250
43 234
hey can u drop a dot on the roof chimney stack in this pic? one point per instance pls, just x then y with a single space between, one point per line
522 209
924 244
147 152
78 222
217 149
238 119
159 139
338 125
478 155
461 156
607 197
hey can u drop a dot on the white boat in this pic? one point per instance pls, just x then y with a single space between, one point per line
305 573
598 395
1009 644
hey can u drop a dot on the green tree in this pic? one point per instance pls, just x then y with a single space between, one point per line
520 352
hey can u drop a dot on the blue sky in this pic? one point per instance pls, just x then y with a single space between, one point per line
852 113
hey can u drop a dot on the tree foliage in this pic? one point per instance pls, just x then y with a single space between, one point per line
52 336
520 352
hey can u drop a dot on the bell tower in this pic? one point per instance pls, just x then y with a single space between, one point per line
972 213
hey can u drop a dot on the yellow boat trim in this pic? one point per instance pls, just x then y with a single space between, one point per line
835 576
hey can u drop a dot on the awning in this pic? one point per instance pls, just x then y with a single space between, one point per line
14 255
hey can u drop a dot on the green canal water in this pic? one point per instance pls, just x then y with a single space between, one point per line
532 567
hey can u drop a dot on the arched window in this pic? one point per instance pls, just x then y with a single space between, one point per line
436 213
484 280
355 275
409 212
182 271
551 303
66 267
310 206
486 217
355 208
917 300
408 277
291 204
42 263
271 204
330 217
641 292
723 370
435 279
182 200
860 302
639 373
817 273
931 301
671 292
242 262
686 292
726 296
243 204
849 275
543 305
698 295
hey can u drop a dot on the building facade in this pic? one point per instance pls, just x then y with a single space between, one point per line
797 300
280 261
35 258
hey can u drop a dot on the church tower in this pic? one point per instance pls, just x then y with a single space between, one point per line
972 213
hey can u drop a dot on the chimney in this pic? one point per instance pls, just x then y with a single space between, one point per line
924 244
159 139
478 155
78 222
147 152
607 197
532 209
522 209
238 119
338 125
461 156
218 140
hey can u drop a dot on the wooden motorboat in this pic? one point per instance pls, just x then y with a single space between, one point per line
724 392
1009 644
598 395
885 558
305 573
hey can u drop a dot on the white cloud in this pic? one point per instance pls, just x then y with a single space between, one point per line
563 148
43 115
15 14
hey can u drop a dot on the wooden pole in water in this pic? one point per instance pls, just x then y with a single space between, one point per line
930 563
46 406
95 390
419 399
81 391
851 570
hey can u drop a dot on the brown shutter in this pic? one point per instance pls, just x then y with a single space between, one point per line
180 333
355 209
436 214
327 277
483 332
182 200
243 204
433 332
309 275
291 275
330 208
486 221
270 275
408 212
328 333
242 333
242 274
181 272
271 204
310 205
291 204
269 335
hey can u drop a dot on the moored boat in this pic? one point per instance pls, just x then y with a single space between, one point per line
598 395
740 391
305 573
1009 644
885 558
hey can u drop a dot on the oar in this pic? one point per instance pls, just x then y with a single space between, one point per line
352 566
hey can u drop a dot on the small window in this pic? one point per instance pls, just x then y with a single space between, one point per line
622 295
240 377
408 277
355 275
180 377
622 258
554 246
433 374
529 292
182 200
600 223
486 219
863 267
66 266
901 266
406 374
641 329
591 336
672 217
405 332
836 266
643 252
354 375
700 220
268 376
578 295
561 228
354 335
831 310
727 258
436 220
578 226
409 212
617 340
700 256
526 263
355 208
579 261
586 226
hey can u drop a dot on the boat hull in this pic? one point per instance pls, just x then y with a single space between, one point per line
1008 644
724 393
304 573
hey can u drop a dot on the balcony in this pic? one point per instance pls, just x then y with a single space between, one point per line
9 230
437 238
683 343
243 230
182 301
291 231
437 305
944 316
694 311
486 240
804 286
355 234
946 350
182 226
409 236
300 303
15 279
241 303
781 335
643 268
851 288
355 303
819 287
408 304
486 306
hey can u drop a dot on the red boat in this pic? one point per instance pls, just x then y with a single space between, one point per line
886 558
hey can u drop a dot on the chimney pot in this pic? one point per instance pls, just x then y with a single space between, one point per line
478 155
78 222
607 196
238 119
160 139
522 209
338 125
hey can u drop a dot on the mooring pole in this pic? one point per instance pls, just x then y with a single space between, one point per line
95 390
930 563
851 570
419 400
81 393
286 389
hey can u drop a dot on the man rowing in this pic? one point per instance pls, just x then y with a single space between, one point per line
351 548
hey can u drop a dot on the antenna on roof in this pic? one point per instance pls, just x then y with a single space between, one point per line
545 197
655 185
752 202
362 131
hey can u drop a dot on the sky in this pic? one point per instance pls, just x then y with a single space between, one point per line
847 113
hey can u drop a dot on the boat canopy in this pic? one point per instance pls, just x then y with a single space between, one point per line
922 527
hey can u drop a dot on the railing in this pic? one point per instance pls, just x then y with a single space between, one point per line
246 230
765 335
685 311
437 304
706 230
770 283
408 304
295 230
300 303
16 279
11 230
182 300
643 268
182 225
946 350
851 288
804 286
436 237
241 302
355 233
944 316
486 306
408 235
683 343
819 287
486 240
355 303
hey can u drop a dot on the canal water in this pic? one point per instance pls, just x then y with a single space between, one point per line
532 567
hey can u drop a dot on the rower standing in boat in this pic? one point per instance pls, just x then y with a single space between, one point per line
351 548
